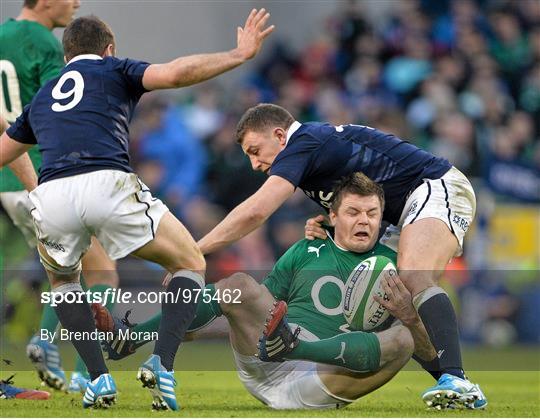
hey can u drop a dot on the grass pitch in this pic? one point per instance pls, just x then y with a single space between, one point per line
209 393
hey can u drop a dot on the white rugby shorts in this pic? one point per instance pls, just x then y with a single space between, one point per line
17 205
293 384
114 206
290 385
450 199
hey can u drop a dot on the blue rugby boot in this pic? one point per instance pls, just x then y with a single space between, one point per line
100 393
159 382
454 392
480 401
46 360
78 382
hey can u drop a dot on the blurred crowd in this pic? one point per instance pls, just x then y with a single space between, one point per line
458 78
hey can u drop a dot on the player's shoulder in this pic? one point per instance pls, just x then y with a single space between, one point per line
312 130
30 34
307 138
305 248
42 37
123 64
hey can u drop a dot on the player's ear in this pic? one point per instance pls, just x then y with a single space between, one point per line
109 51
332 216
281 135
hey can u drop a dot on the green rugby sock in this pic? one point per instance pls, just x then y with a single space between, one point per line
208 309
206 313
101 288
358 351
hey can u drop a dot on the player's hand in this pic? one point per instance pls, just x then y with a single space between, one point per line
314 229
398 299
250 38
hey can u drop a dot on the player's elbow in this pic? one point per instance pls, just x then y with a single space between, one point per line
258 215
183 75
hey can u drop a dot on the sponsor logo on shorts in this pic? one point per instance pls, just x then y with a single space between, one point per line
54 245
413 207
460 222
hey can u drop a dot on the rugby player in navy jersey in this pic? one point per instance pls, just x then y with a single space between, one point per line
87 188
429 203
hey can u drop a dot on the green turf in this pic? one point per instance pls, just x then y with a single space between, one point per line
220 394
217 392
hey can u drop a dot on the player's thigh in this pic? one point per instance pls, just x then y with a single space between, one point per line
58 225
246 318
425 248
17 205
97 267
173 247
435 219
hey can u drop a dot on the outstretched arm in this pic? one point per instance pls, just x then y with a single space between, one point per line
20 164
24 170
186 71
249 215
11 149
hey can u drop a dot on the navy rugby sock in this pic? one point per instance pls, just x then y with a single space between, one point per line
439 318
176 316
432 366
77 318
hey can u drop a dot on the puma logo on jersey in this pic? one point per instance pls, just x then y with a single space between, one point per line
315 249
341 356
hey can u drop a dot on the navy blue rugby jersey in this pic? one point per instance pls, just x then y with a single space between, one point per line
317 155
80 119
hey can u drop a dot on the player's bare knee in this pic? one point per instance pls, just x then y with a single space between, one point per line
240 284
396 343
403 341
417 281
198 263
106 277
193 262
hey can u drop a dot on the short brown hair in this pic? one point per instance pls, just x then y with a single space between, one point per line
86 35
261 117
356 183
30 4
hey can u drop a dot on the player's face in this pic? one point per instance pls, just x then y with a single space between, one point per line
62 12
262 147
357 222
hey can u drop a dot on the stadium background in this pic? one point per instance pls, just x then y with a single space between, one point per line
459 78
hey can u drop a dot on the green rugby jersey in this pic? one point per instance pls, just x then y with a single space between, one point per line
30 55
311 277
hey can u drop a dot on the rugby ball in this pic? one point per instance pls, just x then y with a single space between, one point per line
361 311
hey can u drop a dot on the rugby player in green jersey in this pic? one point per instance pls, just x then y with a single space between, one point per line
330 366
30 55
